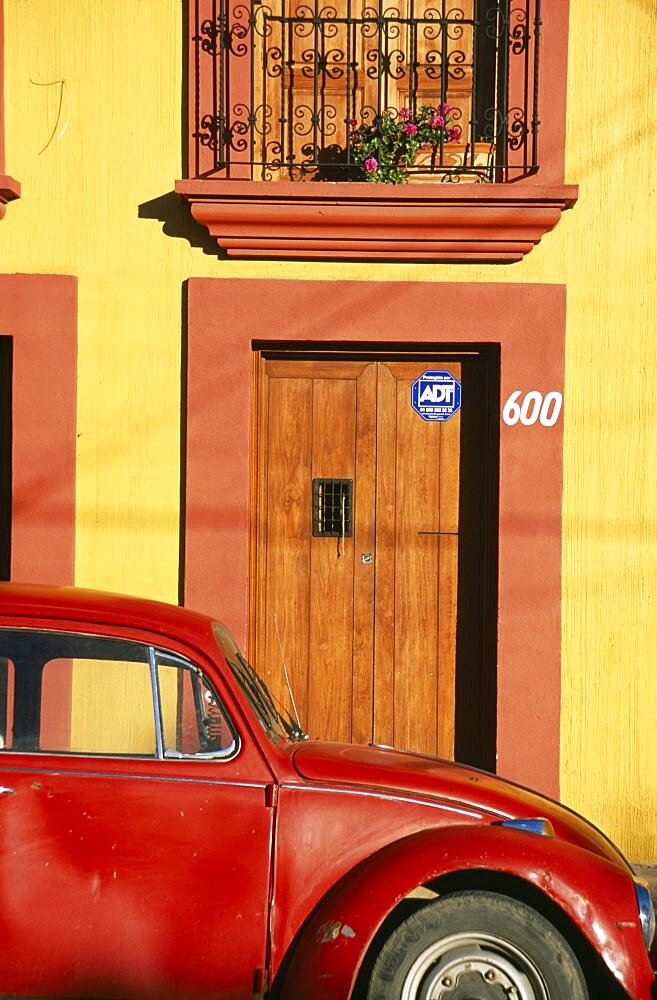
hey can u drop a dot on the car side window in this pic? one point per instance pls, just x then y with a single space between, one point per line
193 719
111 702
68 693
79 694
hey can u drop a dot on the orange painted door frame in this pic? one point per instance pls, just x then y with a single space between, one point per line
527 322
39 313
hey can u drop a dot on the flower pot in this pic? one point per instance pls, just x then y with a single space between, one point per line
459 164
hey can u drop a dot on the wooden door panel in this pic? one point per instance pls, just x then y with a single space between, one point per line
447 610
365 544
444 48
323 66
284 538
314 82
311 415
386 499
331 568
368 622
416 462
417 569
282 368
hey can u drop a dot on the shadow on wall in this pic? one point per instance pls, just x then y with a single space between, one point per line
178 222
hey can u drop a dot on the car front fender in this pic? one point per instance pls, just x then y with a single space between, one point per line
595 893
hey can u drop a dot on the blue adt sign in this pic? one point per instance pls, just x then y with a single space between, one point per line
436 395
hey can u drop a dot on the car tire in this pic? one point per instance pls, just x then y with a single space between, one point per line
476 946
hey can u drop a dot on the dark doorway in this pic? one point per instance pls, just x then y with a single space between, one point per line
390 635
476 637
6 359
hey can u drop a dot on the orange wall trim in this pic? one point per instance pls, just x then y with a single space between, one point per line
39 313
9 188
528 321
2 89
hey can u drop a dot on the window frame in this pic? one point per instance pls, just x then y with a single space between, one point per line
153 653
168 753
276 86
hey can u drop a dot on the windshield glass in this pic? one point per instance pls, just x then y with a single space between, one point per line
274 718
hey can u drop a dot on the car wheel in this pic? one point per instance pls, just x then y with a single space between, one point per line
476 946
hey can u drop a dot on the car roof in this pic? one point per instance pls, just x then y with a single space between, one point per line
96 606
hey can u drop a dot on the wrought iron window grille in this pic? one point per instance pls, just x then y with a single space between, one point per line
281 84
332 508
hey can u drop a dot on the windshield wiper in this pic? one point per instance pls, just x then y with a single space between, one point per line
264 702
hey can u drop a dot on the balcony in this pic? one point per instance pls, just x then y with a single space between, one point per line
281 89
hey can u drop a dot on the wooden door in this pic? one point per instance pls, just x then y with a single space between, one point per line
325 66
365 618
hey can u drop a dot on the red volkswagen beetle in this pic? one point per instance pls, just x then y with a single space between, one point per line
167 831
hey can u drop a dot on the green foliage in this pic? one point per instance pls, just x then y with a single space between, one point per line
383 150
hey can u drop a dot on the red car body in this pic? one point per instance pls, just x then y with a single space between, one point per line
271 868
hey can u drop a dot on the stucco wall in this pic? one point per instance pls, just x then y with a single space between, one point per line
609 693
91 150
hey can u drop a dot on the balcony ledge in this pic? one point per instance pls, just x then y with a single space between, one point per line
9 191
432 221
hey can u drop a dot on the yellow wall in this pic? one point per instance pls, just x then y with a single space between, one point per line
609 697
116 145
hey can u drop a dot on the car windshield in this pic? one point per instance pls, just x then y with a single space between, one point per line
274 719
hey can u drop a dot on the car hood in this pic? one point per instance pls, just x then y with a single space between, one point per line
421 777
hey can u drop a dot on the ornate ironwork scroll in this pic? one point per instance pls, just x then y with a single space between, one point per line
280 85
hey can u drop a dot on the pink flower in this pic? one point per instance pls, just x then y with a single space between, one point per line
371 164
453 134
410 129
437 121
446 108
352 122
405 114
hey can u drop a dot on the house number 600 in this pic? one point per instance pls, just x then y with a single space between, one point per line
535 406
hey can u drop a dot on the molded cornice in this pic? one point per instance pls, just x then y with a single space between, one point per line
9 190
434 221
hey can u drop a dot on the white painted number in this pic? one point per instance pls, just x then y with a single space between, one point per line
554 400
533 407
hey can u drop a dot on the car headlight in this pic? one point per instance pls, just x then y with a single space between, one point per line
646 912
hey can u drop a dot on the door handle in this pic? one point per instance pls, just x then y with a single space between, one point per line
6 791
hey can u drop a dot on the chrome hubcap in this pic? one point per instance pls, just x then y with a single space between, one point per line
473 966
